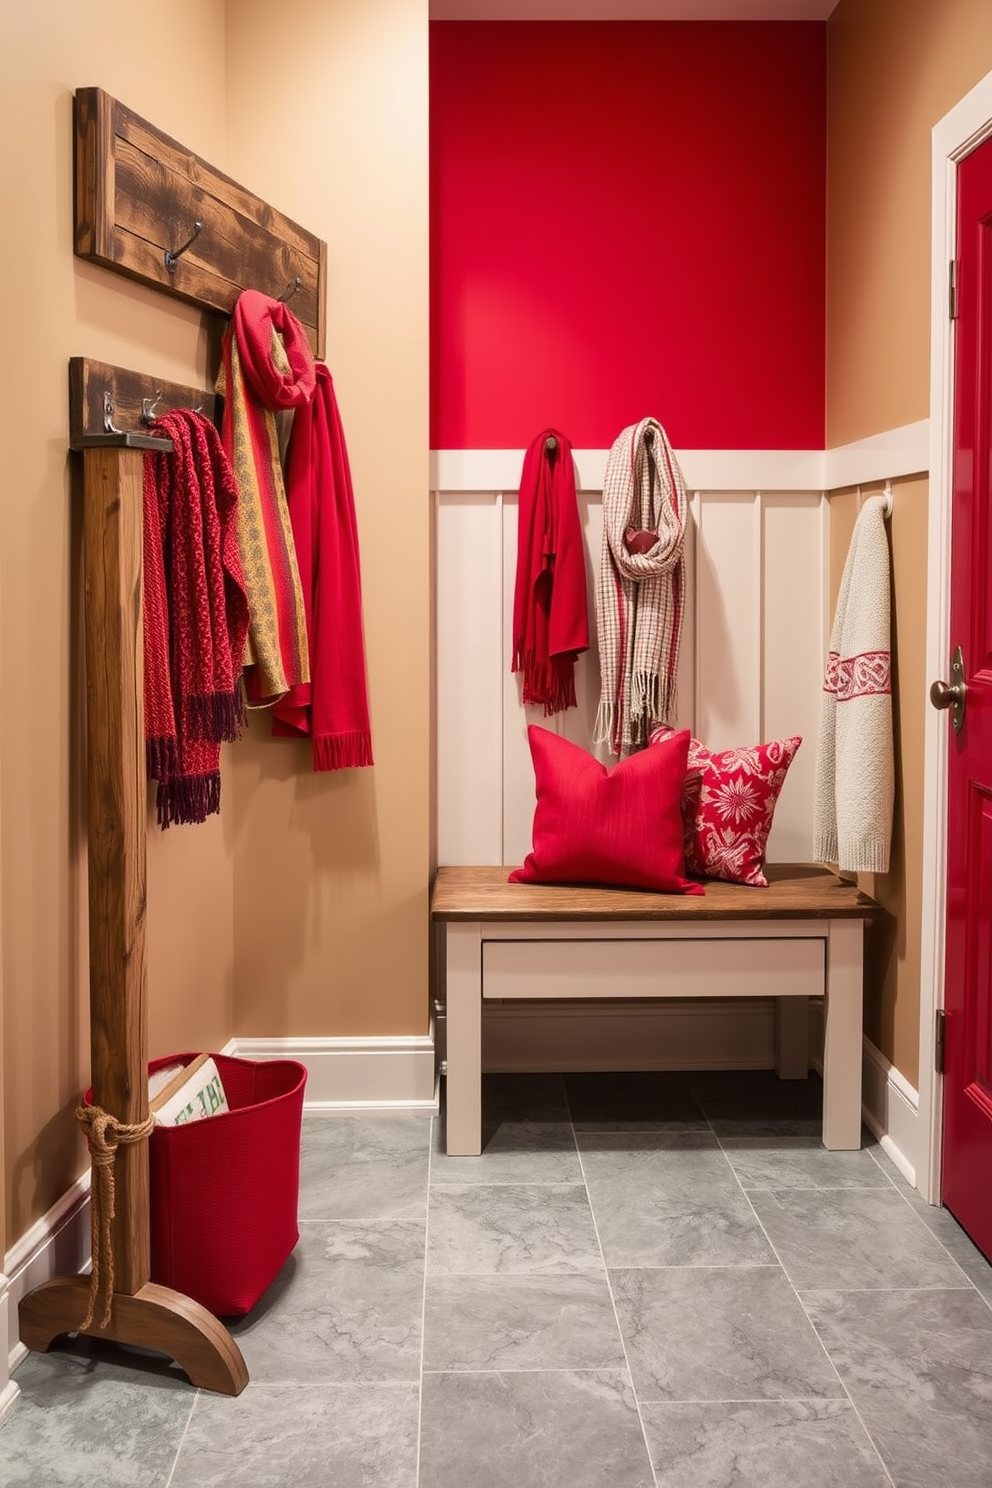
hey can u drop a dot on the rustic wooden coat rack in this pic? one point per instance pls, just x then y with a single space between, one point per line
143 1312
149 208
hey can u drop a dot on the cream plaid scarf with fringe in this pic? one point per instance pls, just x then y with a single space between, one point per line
639 594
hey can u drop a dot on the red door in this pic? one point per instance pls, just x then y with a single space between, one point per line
967 1151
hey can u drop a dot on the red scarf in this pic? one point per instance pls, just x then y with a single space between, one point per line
195 616
267 365
333 707
550 613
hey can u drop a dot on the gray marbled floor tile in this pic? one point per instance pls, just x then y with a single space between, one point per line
941 1222
757 1103
888 1167
723 1334
637 1100
504 1091
757 1089
523 1144
536 1228
89 1420
800 1161
520 1322
918 1366
364 1167
347 1307
310 1436
669 1200
766 1444
979 1273
853 1238
557 1430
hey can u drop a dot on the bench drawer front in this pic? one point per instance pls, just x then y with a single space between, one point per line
653 968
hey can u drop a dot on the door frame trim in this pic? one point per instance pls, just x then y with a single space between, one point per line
966 126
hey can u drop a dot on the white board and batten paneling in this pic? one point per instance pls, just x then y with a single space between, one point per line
753 646
754 643
751 665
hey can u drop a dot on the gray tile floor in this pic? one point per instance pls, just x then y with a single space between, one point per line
646 1281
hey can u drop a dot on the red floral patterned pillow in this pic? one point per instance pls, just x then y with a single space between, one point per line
728 802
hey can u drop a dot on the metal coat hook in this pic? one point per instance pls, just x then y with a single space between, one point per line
551 444
148 407
294 284
108 414
171 259
887 498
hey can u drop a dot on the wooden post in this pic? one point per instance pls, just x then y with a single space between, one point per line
143 1313
116 795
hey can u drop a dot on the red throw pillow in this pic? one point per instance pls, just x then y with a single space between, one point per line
728 803
619 826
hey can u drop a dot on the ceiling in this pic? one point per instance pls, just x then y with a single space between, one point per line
631 10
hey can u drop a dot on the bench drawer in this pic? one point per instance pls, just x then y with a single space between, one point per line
779 967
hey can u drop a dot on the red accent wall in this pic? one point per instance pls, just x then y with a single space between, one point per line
628 219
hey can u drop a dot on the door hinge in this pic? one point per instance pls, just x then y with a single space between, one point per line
952 289
938 1043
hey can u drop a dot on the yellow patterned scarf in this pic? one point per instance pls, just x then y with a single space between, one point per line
266 366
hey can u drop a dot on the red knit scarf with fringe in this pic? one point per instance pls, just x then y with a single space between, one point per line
550 612
332 709
195 616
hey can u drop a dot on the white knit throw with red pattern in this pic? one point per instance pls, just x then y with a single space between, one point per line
855 773
639 594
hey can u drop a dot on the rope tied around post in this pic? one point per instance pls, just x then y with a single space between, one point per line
104 1134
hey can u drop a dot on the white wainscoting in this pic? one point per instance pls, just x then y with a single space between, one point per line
751 668
753 649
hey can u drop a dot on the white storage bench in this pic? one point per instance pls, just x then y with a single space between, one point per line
801 937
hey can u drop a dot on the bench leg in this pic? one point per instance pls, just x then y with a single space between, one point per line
463 1090
792 1038
843 1037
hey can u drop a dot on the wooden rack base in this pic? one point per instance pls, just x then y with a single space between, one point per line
143 1313
154 1317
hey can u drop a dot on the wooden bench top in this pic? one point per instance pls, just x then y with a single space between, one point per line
796 891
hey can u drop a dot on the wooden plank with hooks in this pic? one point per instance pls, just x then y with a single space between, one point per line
109 401
147 207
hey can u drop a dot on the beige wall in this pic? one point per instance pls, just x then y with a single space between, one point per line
330 871
56 306
327 116
895 67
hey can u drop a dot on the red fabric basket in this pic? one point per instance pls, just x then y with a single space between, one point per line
225 1190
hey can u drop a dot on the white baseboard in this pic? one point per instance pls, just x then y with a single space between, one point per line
8 1387
358 1074
891 1109
735 1033
57 1244
8 1395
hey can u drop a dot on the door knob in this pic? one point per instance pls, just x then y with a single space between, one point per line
952 694
943 695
